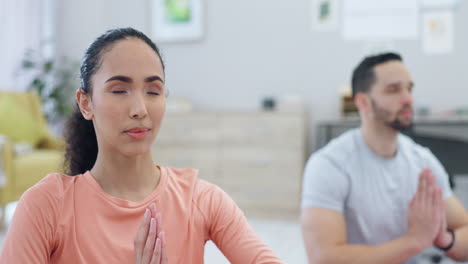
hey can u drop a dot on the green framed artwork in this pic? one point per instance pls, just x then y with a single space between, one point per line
324 15
177 20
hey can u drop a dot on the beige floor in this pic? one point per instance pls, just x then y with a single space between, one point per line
284 238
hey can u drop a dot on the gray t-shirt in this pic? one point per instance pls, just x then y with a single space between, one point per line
372 192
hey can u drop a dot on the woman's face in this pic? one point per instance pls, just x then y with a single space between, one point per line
128 98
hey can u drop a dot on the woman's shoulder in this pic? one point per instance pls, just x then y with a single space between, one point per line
180 174
189 178
56 181
189 183
209 200
51 188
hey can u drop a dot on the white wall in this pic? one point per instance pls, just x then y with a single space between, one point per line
255 48
23 28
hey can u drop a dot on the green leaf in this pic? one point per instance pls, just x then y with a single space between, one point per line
48 65
28 64
39 85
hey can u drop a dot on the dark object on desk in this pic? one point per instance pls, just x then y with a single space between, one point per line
269 103
452 153
348 107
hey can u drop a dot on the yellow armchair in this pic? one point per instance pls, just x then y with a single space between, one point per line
22 121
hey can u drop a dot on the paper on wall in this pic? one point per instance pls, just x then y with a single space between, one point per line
438 32
439 3
380 20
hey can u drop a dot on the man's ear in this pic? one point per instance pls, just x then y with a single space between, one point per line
362 102
84 102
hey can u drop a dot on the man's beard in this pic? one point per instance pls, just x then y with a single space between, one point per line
383 115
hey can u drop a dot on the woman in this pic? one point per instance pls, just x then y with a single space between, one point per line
119 207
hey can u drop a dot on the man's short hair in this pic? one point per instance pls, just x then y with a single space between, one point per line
364 75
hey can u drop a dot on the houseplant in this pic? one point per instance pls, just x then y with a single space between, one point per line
54 79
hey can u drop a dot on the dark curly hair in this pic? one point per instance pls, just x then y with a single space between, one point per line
80 136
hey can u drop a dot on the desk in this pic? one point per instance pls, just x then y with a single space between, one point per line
454 128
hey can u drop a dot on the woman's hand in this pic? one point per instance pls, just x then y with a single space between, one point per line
150 244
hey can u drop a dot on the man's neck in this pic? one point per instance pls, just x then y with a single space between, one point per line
128 178
381 139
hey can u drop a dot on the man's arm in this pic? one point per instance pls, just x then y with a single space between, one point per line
457 220
324 231
324 234
456 216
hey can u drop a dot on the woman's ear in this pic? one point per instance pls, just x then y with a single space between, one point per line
84 102
361 100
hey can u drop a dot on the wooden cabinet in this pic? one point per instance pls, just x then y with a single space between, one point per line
256 157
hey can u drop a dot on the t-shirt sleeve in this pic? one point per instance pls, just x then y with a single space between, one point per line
31 235
325 184
441 175
229 230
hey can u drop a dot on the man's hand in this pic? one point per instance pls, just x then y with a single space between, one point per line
150 245
426 211
443 238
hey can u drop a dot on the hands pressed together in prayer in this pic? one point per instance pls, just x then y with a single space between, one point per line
426 214
150 243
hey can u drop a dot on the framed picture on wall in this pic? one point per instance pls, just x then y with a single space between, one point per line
177 20
324 15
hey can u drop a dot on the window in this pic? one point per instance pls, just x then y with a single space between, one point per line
25 24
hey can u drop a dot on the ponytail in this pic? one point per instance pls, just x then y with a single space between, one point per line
81 149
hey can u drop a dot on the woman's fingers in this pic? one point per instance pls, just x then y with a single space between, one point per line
164 259
158 224
157 252
152 207
140 238
156 216
150 241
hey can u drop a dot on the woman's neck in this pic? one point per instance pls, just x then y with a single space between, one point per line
128 178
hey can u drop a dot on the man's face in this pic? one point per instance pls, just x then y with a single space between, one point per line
391 96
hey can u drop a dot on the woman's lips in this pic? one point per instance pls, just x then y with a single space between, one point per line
137 133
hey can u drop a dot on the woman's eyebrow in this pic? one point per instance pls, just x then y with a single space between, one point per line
153 78
129 80
120 78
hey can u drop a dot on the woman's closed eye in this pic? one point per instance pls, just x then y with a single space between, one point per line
119 91
153 90
124 91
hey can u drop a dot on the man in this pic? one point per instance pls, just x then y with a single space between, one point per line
373 195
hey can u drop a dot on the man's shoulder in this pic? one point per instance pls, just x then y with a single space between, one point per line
341 148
